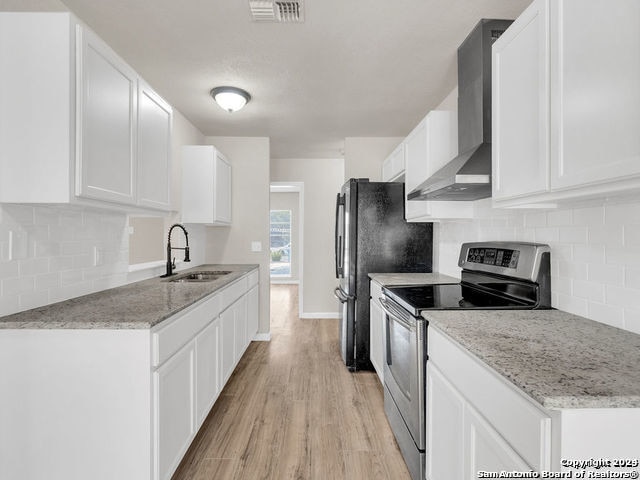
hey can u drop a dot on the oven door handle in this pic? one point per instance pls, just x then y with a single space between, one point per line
395 316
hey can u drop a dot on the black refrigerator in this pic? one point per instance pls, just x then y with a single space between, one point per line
372 236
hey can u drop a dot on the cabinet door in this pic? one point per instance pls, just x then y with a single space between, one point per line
595 94
227 342
253 312
174 422
207 369
376 340
486 450
520 106
240 325
445 428
222 190
416 169
393 166
106 103
154 148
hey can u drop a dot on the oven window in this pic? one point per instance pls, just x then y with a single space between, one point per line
399 355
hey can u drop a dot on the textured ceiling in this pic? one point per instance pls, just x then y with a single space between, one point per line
354 68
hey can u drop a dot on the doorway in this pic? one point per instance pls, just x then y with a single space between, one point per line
286 234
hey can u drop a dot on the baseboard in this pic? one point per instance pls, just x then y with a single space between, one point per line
277 281
262 337
320 315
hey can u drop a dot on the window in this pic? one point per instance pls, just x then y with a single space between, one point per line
280 243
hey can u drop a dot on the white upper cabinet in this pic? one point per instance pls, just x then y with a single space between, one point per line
154 148
393 166
206 186
565 103
106 103
520 113
78 124
431 144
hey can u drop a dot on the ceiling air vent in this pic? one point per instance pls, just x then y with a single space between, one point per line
283 11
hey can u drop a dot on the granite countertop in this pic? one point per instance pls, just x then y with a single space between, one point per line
387 279
559 359
139 305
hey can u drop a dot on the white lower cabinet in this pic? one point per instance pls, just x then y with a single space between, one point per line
227 342
117 403
253 312
476 420
188 382
487 450
479 421
377 339
174 423
207 369
445 418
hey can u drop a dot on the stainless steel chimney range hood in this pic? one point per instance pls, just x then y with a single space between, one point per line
468 176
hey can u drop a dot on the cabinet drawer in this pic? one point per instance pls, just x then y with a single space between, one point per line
181 328
233 292
524 426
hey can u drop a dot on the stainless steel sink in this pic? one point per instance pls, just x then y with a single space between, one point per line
204 276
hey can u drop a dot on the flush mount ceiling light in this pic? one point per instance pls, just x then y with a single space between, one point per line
230 99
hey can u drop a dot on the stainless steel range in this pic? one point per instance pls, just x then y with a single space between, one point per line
495 275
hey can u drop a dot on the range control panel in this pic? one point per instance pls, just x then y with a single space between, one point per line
500 257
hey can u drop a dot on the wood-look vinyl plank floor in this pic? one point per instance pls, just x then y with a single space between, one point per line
292 410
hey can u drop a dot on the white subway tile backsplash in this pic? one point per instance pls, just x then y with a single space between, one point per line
53 254
535 219
606 274
623 256
609 314
547 234
592 291
632 236
595 253
47 281
573 235
573 269
16 286
559 218
622 297
562 285
34 266
589 216
632 277
577 306
632 319
622 214
9 270
33 299
609 236
588 253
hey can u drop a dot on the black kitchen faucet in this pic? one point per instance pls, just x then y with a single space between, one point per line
171 264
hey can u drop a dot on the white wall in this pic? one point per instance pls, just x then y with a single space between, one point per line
322 181
289 201
363 156
249 157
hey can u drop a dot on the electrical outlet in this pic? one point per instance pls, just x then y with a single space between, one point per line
256 246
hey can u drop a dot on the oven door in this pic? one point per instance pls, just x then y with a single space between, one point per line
404 367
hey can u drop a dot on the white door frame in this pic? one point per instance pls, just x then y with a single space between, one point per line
295 187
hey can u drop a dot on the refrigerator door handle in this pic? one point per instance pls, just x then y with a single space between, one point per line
339 247
341 295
